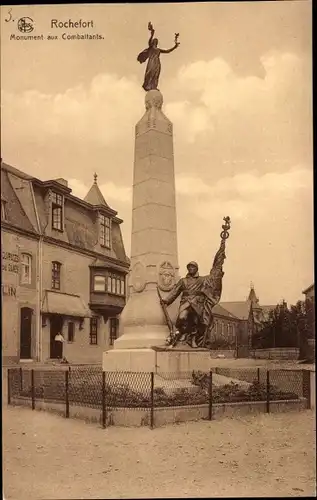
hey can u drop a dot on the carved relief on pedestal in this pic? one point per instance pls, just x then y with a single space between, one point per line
137 277
166 276
151 123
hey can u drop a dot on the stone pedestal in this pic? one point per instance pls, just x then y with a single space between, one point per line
166 362
154 237
175 362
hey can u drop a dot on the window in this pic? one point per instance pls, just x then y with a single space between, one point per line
110 283
114 327
3 210
113 284
105 231
99 283
57 211
26 269
116 284
56 275
71 331
93 331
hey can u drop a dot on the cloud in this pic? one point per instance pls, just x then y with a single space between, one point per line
216 95
100 113
235 140
270 242
271 238
112 192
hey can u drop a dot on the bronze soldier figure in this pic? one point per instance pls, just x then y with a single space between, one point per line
199 294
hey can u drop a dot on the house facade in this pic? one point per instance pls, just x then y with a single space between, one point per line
234 326
64 270
235 323
310 292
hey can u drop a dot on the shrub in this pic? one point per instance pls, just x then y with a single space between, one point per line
123 396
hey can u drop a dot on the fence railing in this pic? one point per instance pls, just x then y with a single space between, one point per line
107 392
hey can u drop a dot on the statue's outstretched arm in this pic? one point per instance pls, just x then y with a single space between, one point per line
174 293
167 51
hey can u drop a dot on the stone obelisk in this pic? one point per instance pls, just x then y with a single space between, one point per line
154 260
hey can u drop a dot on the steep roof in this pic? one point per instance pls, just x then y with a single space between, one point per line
252 295
221 311
309 288
95 196
20 210
240 310
15 171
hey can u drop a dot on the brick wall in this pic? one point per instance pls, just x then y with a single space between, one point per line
277 353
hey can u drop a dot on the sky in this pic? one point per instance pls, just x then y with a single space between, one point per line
239 93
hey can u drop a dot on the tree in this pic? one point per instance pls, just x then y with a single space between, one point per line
303 321
288 327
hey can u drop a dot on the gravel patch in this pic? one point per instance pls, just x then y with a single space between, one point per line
48 457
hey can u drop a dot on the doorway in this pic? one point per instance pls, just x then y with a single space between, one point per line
26 333
56 326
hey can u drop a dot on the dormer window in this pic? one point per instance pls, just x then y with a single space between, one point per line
57 211
105 231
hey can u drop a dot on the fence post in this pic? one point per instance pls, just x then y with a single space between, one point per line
33 389
152 401
67 393
9 386
268 391
258 375
306 387
21 379
210 397
103 395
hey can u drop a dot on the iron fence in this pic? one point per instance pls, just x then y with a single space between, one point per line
68 389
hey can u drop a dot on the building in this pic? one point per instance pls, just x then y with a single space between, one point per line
237 322
310 296
64 270
310 292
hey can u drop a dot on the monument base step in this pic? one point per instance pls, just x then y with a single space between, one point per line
168 362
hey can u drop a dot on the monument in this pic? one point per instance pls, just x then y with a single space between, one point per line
147 334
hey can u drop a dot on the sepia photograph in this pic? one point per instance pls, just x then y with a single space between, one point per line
157 250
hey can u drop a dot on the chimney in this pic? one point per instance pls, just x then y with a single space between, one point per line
64 182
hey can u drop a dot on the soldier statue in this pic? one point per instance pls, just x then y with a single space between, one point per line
199 294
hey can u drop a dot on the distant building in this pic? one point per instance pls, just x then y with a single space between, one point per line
64 270
237 322
310 292
310 295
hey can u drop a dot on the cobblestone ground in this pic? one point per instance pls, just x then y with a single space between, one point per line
48 457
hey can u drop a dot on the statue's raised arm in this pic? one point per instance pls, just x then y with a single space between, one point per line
221 254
